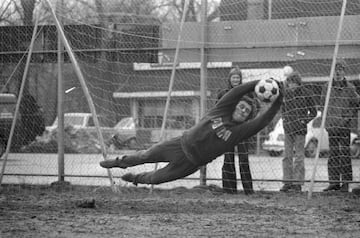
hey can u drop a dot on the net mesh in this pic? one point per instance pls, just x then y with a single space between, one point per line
126 51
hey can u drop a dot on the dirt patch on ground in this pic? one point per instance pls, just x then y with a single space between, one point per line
73 211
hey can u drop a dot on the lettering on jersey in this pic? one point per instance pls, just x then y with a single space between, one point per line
220 129
217 122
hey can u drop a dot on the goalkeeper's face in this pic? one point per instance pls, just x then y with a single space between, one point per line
242 111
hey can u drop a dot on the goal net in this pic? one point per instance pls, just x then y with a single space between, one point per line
126 53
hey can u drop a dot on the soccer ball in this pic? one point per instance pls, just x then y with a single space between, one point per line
267 90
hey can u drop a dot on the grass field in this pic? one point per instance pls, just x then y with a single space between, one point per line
89 211
176 209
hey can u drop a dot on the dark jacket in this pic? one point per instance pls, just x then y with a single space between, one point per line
216 133
297 110
343 105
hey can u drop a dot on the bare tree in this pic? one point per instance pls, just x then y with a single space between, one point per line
172 10
7 12
110 11
28 7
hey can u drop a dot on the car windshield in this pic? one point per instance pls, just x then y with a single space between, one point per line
126 123
71 120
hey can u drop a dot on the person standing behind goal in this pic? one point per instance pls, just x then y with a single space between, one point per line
297 110
228 170
340 120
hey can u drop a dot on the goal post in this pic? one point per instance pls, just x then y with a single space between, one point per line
17 108
172 78
85 90
326 105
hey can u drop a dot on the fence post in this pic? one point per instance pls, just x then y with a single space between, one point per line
60 104
203 75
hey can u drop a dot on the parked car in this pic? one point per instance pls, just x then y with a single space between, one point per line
75 119
7 109
123 134
29 124
276 141
137 137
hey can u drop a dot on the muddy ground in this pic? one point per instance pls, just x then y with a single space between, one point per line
83 211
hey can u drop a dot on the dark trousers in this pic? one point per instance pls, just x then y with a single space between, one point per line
339 163
178 166
229 173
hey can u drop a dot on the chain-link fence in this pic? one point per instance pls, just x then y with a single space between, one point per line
126 51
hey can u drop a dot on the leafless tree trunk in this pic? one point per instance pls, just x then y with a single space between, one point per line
28 7
25 10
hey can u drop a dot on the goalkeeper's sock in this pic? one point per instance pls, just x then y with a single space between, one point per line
129 177
120 163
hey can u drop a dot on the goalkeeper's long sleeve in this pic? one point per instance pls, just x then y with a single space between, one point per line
216 133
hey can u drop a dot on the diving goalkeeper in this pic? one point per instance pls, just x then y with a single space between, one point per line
233 119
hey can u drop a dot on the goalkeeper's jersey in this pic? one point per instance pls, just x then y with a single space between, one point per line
216 133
